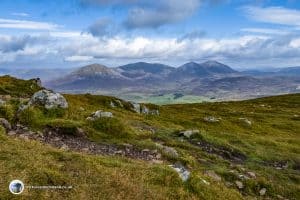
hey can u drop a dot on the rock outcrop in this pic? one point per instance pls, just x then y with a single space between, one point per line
183 173
48 99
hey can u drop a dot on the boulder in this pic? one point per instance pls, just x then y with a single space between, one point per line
5 124
48 99
184 174
99 114
112 104
188 133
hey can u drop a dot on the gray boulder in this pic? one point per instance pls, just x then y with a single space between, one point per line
5 124
246 121
170 151
99 114
48 99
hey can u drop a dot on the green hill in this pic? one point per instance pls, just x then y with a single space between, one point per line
240 150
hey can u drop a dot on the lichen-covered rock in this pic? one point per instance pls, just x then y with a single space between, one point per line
48 99
5 124
99 114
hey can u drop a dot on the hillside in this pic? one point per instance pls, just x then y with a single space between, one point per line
232 150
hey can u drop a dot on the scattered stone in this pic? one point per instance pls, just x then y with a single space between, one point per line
120 103
112 104
81 109
99 114
205 181
2 103
239 184
184 174
24 136
246 121
5 124
170 151
64 147
48 99
213 175
136 107
11 133
251 174
211 119
38 81
262 192
188 133
145 110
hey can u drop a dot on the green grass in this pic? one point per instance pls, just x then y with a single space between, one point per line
273 136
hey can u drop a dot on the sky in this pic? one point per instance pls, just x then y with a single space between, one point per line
70 33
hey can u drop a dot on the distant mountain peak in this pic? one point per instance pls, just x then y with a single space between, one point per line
212 63
94 69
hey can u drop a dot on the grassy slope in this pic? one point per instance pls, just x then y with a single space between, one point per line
274 136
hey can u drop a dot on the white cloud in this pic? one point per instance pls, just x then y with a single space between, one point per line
266 31
250 50
274 15
79 58
25 24
20 14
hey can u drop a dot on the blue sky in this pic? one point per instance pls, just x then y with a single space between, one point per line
241 33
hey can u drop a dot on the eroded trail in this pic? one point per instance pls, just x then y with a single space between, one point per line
80 143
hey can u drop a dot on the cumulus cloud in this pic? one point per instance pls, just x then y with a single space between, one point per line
274 15
102 27
249 50
165 12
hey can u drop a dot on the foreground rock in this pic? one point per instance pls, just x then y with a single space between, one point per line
99 114
48 99
183 173
213 175
246 121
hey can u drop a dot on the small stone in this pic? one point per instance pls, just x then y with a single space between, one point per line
211 119
262 192
81 109
23 136
239 184
11 133
145 150
205 181
188 133
158 156
213 175
157 161
85 149
246 121
112 104
251 174
64 147
5 124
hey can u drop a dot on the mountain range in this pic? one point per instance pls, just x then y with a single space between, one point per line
208 80
190 82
